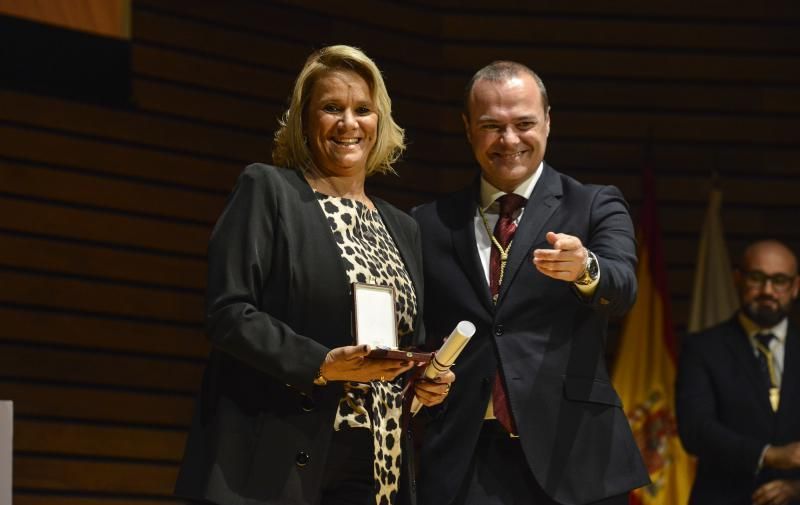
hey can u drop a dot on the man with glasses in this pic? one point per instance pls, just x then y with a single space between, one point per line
738 389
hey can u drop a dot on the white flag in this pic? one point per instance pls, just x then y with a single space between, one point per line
714 297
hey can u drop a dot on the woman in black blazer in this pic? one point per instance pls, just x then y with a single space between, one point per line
290 411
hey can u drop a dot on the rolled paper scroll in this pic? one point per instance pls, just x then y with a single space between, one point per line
444 358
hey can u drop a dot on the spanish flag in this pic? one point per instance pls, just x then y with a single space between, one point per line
644 374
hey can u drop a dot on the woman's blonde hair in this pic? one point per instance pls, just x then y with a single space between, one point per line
291 149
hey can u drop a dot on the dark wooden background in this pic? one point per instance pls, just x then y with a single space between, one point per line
105 210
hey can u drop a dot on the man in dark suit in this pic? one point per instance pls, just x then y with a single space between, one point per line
539 262
738 390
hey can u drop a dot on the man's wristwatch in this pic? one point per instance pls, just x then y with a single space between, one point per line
591 270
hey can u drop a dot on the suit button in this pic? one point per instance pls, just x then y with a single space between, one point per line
307 404
498 330
302 458
485 382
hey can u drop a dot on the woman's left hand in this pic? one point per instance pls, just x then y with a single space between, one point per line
432 392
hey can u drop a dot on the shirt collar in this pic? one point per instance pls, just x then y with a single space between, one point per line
490 194
752 329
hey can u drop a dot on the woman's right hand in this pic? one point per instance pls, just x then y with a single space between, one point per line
350 363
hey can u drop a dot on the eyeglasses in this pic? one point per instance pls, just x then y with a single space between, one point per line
758 279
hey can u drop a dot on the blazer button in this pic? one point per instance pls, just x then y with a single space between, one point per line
307 404
302 459
486 382
498 330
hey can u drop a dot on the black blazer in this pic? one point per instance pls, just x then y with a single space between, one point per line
278 300
546 339
724 415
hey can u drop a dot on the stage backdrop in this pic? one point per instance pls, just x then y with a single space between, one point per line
107 201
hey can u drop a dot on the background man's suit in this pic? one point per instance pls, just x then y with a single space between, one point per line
548 342
724 415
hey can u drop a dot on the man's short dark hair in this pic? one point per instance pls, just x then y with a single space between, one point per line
501 70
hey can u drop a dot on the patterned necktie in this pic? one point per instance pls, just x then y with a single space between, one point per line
767 367
503 233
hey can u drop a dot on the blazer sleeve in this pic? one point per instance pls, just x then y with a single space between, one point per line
240 256
612 240
698 423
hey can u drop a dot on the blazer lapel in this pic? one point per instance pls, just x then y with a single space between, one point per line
318 224
739 346
544 201
464 243
403 246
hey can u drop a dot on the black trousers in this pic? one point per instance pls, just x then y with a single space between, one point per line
348 478
499 474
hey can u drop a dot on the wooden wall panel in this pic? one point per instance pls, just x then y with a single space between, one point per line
114 158
625 33
89 331
679 10
100 297
128 126
253 113
47 254
102 405
99 368
70 475
105 211
45 218
36 437
89 190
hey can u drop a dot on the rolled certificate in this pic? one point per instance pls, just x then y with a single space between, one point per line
446 355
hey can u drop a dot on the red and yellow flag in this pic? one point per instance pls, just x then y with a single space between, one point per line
644 374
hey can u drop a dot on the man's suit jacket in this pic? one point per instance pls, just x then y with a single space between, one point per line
545 338
724 414
278 300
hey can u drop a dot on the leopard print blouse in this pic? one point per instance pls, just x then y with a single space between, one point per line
370 255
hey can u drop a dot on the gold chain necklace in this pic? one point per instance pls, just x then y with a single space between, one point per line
503 252
317 183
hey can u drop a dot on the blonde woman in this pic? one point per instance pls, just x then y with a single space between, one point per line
290 411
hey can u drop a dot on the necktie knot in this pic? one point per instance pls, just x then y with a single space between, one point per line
764 339
510 203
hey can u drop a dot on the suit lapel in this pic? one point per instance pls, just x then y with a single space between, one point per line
465 245
543 202
739 346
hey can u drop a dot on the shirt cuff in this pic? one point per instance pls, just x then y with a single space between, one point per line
761 458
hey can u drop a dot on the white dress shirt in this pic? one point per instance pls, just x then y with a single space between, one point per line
490 207
777 345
